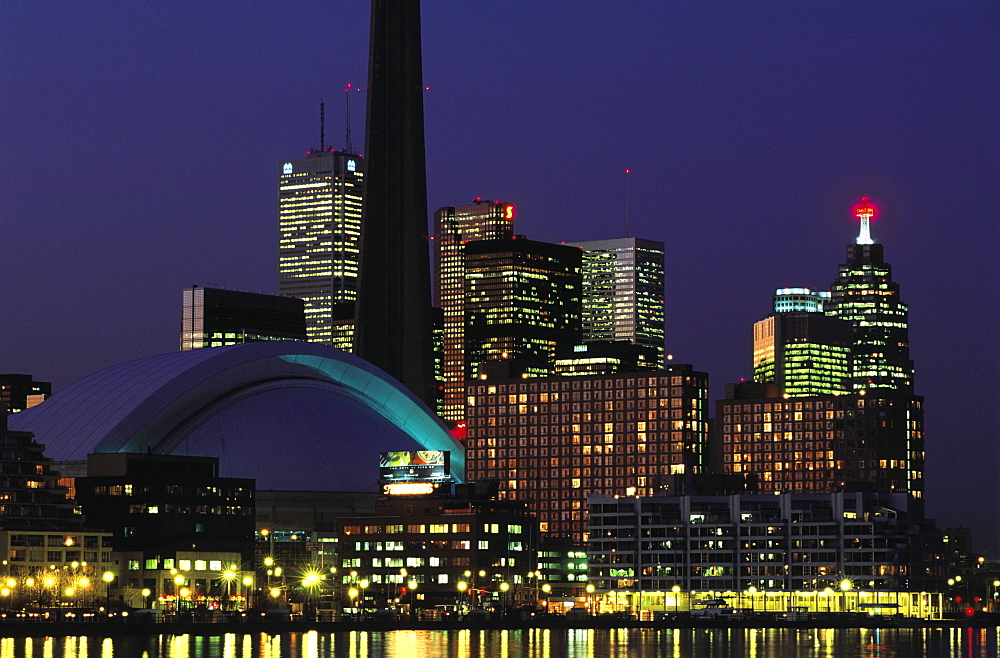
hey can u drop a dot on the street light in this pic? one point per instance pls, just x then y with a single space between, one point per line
590 598
107 578
145 597
503 588
547 589
845 587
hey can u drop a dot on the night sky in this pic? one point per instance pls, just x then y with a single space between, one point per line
141 144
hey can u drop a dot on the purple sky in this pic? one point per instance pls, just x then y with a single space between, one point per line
140 146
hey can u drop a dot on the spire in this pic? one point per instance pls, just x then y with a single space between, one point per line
865 211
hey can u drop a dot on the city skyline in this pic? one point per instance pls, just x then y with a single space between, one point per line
745 163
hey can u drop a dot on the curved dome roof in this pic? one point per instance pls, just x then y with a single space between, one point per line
292 415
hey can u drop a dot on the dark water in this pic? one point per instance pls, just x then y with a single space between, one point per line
583 643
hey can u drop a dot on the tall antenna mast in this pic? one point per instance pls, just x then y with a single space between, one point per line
347 132
322 124
628 228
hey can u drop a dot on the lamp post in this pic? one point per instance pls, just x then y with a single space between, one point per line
590 598
462 586
546 589
145 597
751 591
108 577
845 587
353 594
503 591
676 589
413 588
229 575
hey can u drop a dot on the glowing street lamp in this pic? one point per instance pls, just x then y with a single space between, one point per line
108 577
590 598
503 588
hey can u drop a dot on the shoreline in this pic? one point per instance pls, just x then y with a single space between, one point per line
114 629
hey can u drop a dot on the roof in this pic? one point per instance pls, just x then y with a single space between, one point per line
290 414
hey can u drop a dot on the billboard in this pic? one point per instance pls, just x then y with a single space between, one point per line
414 465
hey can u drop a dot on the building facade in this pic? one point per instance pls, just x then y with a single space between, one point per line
522 301
427 551
454 226
623 292
213 317
176 525
820 552
20 392
320 201
553 441
823 443
865 295
800 300
803 353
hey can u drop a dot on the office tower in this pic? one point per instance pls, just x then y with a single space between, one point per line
522 299
393 331
319 233
859 441
803 353
623 291
804 300
865 295
213 317
454 226
551 441
20 392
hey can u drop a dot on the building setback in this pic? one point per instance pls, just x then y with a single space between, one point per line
319 233
553 441
213 317
454 226
864 547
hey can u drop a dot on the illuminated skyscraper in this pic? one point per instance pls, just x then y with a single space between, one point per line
623 292
522 300
865 295
803 353
319 232
213 317
454 226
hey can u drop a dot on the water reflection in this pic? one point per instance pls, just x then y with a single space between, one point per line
530 643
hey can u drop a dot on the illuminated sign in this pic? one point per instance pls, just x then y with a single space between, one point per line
351 165
414 465
287 168
408 488
508 212
865 209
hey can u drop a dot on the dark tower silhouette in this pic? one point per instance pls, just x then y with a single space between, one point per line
394 304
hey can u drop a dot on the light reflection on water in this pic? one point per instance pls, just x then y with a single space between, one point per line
527 643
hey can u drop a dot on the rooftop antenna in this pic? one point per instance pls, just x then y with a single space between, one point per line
628 228
322 124
347 125
864 211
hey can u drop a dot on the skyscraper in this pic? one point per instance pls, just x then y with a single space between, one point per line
803 353
623 291
865 295
394 324
319 233
213 317
522 301
454 226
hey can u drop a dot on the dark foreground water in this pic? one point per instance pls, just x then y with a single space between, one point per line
537 643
